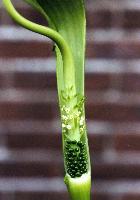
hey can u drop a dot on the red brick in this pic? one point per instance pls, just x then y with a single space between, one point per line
1 81
97 142
131 19
34 141
101 170
30 169
22 49
131 82
34 80
26 111
41 195
118 49
127 142
98 50
97 81
99 196
113 112
131 197
99 19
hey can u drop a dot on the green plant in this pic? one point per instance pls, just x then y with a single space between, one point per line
67 22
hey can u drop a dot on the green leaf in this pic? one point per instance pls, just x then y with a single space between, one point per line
68 18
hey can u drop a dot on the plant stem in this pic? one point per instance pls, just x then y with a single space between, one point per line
79 188
70 81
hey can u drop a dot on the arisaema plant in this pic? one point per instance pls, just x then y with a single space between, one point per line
67 28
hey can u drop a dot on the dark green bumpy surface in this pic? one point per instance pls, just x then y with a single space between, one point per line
76 158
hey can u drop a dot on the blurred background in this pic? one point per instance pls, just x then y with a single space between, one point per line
31 164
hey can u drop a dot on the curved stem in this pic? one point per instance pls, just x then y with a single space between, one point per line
68 64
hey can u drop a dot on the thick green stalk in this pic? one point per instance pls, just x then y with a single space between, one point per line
79 188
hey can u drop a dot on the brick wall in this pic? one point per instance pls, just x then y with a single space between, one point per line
31 165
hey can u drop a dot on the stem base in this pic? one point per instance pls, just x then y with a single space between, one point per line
79 188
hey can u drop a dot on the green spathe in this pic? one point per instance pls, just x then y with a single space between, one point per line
67 29
68 18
